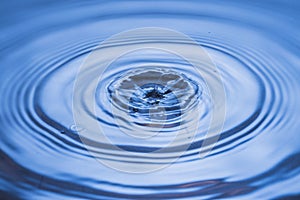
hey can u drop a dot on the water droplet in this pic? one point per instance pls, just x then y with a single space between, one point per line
76 128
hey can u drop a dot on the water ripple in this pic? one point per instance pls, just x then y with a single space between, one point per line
254 49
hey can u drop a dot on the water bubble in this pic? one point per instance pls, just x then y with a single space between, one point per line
76 128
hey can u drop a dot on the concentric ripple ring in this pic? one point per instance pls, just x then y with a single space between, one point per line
133 40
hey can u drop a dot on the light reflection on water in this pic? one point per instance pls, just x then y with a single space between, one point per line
255 48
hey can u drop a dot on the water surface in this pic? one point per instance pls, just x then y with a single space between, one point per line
255 47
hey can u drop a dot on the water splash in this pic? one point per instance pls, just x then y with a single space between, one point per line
257 155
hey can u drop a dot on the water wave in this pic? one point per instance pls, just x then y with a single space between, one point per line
254 47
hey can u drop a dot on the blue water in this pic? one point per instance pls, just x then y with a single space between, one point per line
144 98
